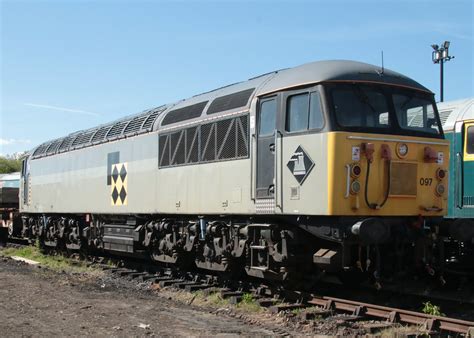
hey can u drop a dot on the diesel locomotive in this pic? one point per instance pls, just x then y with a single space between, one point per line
329 167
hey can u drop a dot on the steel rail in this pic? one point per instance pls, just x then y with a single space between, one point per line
393 315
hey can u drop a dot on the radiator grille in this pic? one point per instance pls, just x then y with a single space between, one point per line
403 179
216 141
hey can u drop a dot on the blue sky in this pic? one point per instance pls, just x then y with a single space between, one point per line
70 65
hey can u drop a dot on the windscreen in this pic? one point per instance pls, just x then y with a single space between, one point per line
385 109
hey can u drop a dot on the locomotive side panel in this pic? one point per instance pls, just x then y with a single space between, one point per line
304 173
84 180
213 188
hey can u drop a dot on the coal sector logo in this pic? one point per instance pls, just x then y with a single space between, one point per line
118 191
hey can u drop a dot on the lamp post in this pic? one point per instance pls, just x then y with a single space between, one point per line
441 55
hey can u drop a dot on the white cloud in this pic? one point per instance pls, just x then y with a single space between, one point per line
63 109
12 141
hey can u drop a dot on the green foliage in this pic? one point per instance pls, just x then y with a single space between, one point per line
56 262
249 304
432 309
9 165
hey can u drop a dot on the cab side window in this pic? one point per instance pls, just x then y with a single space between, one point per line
304 112
470 140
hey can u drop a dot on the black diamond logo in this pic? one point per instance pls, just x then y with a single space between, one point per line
123 194
115 195
300 164
123 172
115 174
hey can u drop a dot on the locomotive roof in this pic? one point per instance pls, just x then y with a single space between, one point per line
229 99
455 111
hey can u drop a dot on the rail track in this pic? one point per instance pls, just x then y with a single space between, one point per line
274 297
279 299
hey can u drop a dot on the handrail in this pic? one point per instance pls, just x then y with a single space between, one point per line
278 178
459 180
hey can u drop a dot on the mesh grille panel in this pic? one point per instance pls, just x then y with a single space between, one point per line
242 136
226 139
53 147
222 140
192 145
151 119
66 143
183 114
82 138
134 125
178 143
208 142
231 101
100 134
41 149
164 150
117 129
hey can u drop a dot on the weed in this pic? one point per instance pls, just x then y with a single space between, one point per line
432 309
249 304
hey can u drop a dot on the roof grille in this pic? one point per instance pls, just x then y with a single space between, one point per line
41 150
53 147
134 125
151 119
117 129
82 138
66 143
100 134
185 113
230 101
444 115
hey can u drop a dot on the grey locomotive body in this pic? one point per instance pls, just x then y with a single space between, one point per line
229 178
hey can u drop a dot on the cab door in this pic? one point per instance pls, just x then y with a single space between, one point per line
266 148
468 165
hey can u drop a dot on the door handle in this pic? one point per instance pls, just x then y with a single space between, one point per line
272 147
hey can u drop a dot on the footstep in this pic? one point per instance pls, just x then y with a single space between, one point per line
117 328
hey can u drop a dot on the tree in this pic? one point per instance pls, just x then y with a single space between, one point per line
9 165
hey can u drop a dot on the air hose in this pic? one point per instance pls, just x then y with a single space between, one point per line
387 192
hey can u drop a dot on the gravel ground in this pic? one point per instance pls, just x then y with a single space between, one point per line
39 302
36 301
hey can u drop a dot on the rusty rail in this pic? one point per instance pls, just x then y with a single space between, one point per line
393 315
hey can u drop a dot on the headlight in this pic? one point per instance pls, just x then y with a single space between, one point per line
402 150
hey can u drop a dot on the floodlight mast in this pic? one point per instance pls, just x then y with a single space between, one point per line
441 55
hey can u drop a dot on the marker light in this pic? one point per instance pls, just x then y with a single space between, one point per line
440 189
355 170
355 187
402 150
440 174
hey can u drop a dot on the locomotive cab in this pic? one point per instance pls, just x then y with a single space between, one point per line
361 165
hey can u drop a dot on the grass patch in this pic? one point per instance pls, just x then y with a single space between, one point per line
54 262
249 304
